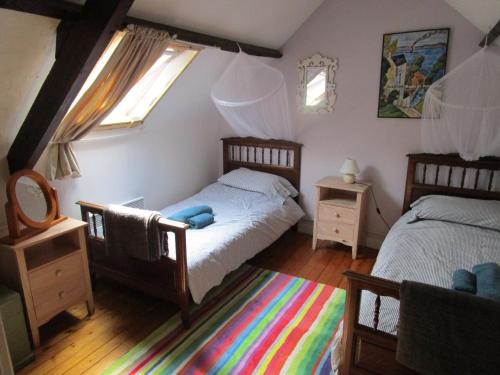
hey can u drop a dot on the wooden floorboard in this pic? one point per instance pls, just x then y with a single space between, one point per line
73 343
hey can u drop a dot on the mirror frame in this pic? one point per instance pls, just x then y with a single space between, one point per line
317 60
15 214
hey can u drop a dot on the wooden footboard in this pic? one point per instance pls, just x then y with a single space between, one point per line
166 278
367 350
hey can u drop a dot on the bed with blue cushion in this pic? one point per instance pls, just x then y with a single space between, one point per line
253 203
451 221
439 235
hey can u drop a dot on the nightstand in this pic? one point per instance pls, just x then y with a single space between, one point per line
340 212
51 271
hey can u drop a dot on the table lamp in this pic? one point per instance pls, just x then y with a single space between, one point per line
349 170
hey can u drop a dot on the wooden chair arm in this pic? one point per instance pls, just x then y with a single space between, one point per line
168 225
354 333
165 224
90 206
377 285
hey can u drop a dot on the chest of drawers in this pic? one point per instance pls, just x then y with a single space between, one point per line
340 212
50 270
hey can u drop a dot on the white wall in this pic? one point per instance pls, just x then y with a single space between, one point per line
352 31
173 155
27 45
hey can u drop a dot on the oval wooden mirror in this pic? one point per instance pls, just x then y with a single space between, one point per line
31 201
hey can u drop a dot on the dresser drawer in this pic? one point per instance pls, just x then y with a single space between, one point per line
57 273
52 301
56 285
336 231
328 212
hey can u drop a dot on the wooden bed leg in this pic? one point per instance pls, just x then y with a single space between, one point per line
186 321
353 296
93 280
182 277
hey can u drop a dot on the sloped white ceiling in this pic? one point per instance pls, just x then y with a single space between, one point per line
266 23
484 14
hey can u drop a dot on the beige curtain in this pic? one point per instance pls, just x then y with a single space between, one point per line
135 54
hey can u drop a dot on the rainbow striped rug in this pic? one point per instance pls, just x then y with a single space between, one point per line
256 322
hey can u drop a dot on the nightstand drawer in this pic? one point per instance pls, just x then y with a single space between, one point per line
328 212
57 274
336 231
51 301
56 285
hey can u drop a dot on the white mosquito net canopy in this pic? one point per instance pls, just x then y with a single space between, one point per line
461 111
252 98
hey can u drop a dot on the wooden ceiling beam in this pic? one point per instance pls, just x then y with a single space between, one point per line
491 36
207 40
82 46
70 11
49 8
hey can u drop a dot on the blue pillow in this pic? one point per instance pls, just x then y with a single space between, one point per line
488 280
201 220
464 281
184 215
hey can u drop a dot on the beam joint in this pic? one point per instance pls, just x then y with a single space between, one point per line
491 36
77 55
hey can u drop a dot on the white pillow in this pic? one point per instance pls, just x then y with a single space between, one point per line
261 182
288 186
475 212
283 181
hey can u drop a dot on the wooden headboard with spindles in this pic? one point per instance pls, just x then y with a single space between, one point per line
274 156
451 175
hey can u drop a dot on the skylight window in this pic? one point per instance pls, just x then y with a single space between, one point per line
145 94
141 99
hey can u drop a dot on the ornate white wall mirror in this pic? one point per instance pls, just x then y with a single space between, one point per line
316 89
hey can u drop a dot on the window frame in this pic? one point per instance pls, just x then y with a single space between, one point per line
133 124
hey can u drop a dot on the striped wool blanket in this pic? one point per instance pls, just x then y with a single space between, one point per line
256 322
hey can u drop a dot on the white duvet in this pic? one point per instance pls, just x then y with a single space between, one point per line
245 223
427 251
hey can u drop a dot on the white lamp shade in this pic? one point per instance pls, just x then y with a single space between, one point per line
349 167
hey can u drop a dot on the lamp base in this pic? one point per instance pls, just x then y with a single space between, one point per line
349 178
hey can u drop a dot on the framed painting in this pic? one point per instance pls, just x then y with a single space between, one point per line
411 62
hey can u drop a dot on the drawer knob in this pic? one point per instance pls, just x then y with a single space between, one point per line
338 216
336 230
61 294
58 273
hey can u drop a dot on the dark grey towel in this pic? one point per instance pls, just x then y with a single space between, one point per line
443 331
133 232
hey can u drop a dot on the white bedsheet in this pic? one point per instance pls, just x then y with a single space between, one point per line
245 223
428 251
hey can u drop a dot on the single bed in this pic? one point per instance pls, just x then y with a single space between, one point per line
426 251
246 222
